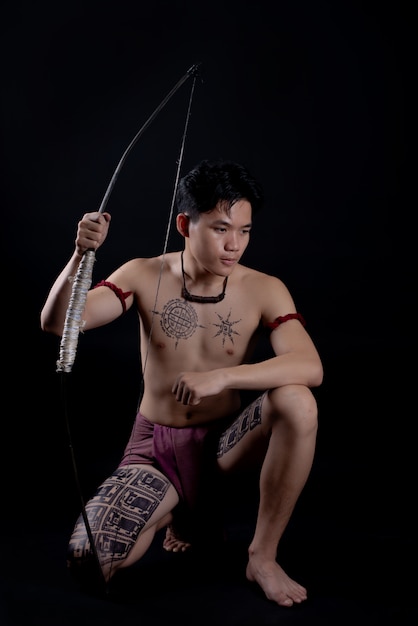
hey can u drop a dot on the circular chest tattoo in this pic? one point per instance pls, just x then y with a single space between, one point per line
178 319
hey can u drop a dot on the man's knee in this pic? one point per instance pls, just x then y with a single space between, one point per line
86 570
295 404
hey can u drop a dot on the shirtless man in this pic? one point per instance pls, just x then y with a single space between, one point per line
200 311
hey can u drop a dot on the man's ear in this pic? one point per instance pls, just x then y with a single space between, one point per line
182 223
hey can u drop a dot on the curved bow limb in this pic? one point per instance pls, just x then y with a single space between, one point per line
83 278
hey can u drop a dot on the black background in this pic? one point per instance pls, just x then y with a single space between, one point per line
313 98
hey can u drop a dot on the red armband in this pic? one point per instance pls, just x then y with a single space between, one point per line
285 318
122 295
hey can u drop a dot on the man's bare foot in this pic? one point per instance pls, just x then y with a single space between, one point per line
275 583
173 542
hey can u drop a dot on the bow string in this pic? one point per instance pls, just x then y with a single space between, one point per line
83 279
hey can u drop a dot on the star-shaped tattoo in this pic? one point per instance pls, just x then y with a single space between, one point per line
225 328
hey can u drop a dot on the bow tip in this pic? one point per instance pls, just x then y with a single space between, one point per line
195 70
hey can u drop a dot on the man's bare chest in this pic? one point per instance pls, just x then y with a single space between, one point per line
209 329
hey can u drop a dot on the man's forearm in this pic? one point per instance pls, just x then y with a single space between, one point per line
286 369
55 308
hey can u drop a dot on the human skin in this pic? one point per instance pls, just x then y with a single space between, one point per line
197 359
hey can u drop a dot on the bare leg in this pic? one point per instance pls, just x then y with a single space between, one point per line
124 515
289 414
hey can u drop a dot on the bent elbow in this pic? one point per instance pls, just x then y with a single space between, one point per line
50 327
316 374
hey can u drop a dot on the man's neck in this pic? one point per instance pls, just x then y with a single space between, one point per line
200 299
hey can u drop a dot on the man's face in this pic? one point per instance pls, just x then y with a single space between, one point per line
217 240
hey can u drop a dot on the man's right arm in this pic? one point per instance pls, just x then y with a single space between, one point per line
91 233
55 308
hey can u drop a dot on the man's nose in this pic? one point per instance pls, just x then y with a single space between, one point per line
232 242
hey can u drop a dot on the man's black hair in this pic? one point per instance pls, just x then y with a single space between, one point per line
211 182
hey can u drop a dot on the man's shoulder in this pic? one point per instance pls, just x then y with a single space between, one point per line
151 263
251 274
265 291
